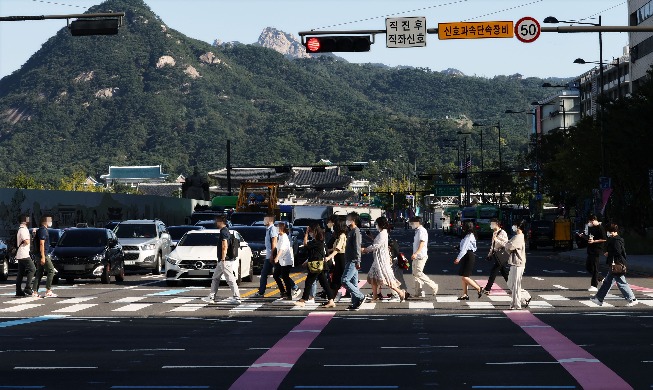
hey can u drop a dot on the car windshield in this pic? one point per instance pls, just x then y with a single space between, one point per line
207 224
246 219
252 235
484 214
133 230
469 214
83 238
203 239
177 232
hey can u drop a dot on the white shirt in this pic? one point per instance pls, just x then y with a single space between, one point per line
467 244
286 256
420 235
23 250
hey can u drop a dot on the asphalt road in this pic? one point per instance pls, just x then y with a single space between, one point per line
142 334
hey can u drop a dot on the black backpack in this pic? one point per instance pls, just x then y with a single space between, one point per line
234 247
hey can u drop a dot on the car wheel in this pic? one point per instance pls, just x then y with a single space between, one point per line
106 274
250 277
4 272
157 265
172 283
121 276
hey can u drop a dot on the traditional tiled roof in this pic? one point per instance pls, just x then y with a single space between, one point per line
135 173
330 178
295 177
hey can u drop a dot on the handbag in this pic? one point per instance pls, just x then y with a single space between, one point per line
315 266
402 261
618 269
502 256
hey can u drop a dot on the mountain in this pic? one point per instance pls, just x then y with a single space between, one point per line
283 43
453 72
151 95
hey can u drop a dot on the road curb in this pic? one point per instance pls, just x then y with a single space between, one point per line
637 269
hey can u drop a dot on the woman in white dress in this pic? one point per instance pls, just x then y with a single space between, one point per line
381 273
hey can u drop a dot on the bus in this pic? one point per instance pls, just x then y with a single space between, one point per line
481 215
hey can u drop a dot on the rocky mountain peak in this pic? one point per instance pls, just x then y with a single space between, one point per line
282 42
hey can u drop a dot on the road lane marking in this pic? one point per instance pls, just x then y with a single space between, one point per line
75 300
129 300
287 350
539 305
75 308
22 300
537 278
500 298
54 368
480 305
245 307
592 304
276 291
133 307
8 324
585 368
446 299
17 308
420 305
180 300
554 298
167 292
559 287
271 284
189 307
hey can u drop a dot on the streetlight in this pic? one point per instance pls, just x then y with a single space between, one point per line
482 160
537 165
498 127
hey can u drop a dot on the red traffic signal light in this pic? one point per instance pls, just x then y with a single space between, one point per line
338 43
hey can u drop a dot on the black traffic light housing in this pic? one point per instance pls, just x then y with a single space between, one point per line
83 27
338 43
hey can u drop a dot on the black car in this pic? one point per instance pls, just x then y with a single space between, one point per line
55 236
177 232
89 253
246 218
4 261
112 224
541 233
255 237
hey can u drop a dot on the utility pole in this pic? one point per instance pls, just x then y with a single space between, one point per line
229 192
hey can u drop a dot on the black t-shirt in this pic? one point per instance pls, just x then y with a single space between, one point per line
223 236
315 250
41 234
598 233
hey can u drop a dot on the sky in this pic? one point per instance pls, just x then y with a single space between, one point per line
551 55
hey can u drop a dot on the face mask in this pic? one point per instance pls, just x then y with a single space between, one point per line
494 227
50 224
414 225
514 228
349 223
379 229
330 225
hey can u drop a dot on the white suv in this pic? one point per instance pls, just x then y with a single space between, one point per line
196 256
146 244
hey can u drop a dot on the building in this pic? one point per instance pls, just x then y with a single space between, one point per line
558 111
617 83
640 13
134 175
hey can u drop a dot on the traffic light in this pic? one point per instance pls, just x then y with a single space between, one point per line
82 27
337 43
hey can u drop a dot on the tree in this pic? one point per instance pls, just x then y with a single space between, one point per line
25 182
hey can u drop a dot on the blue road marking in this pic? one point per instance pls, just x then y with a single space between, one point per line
24 321
167 292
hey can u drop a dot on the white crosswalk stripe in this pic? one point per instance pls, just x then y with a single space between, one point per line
129 300
133 307
22 307
553 298
75 308
71 301
189 307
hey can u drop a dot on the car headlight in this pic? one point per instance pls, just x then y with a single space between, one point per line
173 260
148 247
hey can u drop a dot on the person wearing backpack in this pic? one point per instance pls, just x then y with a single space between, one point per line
43 261
316 254
616 254
271 237
227 263
499 240
25 264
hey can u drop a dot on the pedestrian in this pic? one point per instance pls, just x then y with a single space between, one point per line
595 247
226 264
271 236
395 254
337 255
283 263
419 258
353 261
380 273
499 239
43 260
25 263
517 261
316 251
467 258
616 254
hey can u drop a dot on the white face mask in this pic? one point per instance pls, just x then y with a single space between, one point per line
349 222
49 224
414 225
379 229
494 227
514 228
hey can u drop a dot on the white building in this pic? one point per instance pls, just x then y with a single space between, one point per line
557 112
616 74
359 186
641 43
134 175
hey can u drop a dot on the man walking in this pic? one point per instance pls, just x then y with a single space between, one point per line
43 261
499 240
226 265
595 245
353 261
271 237
25 263
419 257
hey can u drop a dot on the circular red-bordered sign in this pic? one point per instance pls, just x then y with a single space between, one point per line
527 29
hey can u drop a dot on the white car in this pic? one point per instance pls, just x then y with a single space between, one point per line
196 256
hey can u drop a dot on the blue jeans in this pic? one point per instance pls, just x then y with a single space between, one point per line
265 271
621 283
350 281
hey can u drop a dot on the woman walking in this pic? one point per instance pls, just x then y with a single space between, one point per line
316 252
380 273
616 254
337 254
466 258
517 248
499 239
283 263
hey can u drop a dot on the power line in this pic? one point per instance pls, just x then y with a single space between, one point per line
605 10
393 14
503 10
54 3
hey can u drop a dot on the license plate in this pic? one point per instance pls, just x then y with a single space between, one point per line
130 262
74 267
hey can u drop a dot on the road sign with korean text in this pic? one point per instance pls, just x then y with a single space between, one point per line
405 32
475 30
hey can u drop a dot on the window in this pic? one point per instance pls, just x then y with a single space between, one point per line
643 13
83 238
136 231
202 239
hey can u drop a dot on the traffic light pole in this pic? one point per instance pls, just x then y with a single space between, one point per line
70 16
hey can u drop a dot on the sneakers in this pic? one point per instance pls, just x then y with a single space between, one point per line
593 289
234 301
36 295
209 299
596 301
632 303
328 305
300 303
50 294
311 300
20 295
296 293
422 294
257 295
395 299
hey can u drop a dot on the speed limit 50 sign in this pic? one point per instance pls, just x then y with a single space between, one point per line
527 29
